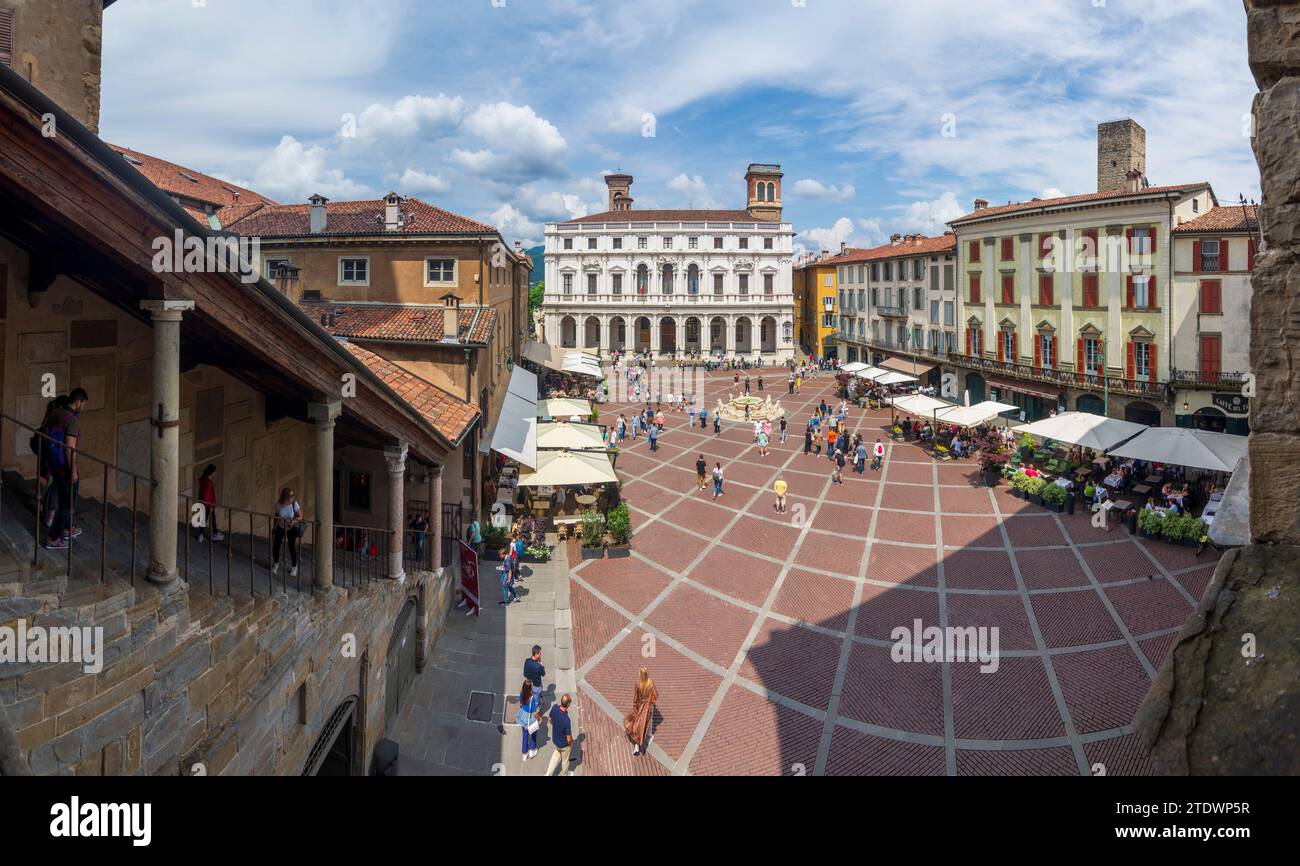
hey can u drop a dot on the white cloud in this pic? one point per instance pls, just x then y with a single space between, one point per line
931 217
831 238
694 191
815 189
515 225
873 231
411 116
292 172
1051 192
522 146
416 182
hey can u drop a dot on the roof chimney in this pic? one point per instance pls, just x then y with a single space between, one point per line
317 213
392 212
843 245
894 239
1133 180
981 203
450 317
620 191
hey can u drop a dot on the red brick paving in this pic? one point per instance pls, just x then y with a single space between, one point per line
753 734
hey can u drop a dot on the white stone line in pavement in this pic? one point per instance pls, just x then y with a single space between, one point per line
949 722
1100 589
1076 745
706 720
846 647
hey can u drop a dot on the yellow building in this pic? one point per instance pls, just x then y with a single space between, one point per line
816 299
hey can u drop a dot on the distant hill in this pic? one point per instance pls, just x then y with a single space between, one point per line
535 276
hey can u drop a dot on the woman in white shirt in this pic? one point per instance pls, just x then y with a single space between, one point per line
288 527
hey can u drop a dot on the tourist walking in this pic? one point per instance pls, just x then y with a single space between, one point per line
639 724
529 718
717 424
507 569
534 670
837 474
701 472
860 458
808 439
288 528
782 429
561 736
654 437
717 480
762 443
779 489
878 455
208 496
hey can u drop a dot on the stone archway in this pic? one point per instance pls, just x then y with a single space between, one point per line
568 332
617 334
591 333
642 334
1090 403
767 335
744 336
717 334
693 334
1142 413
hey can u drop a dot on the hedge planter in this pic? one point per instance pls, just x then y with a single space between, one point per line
1053 506
991 477
1037 500
1150 536
593 553
618 551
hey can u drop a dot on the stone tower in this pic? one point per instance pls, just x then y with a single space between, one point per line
763 185
620 191
1121 147
57 47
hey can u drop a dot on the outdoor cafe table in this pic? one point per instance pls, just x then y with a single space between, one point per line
1111 480
1153 479
585 499
1141 489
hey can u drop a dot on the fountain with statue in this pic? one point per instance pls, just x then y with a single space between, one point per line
734 409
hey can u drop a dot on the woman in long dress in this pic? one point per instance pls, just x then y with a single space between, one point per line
637 723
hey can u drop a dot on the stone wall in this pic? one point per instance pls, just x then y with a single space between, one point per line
242 686
58 47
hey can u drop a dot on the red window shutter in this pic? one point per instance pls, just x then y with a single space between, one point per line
1250 254
1153 372
1196 256
1151 292
1051 360
1090 290
974 288
1038 351
1128 298
1132 361
1128 240
1152 230
1008 251
1210 355
1079 365
974 251
1223 256
1214 297
1015 347
1044 246
1091 236
1045 289
968 342
1001 346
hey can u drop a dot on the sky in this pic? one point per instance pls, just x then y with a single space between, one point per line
885 117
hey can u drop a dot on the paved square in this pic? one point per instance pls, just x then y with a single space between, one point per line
771 636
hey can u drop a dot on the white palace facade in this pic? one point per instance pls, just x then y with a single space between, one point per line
675 282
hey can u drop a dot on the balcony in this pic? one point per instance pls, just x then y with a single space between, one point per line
892 312
1209 381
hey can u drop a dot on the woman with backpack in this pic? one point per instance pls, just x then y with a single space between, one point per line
529 718
288 527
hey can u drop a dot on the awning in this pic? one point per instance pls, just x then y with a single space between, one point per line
919 404
854 367
515 431
1084 429
566 468
563 407
563 360
578 437
1032 389
903 365
1181 446
973 416
889 377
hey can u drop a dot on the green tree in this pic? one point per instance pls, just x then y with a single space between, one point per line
535 293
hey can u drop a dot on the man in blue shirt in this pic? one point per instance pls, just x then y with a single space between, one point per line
562 736
533 669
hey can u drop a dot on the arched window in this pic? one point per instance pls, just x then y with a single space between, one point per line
762 191
771 191
642 279
668 279
693 280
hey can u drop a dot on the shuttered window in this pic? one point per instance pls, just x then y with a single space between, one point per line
1211 296
1211 352
7 37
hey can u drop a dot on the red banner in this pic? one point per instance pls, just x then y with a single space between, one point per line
469 576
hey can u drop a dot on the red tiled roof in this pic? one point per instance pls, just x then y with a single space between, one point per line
186 182
355 218
450 416
667 216
1086 198
1233 218
903 249
400 322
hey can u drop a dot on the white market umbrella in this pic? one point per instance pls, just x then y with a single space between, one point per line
1181 446
973 416
552 436
853 367
889 377
563 407
1084 429
567 468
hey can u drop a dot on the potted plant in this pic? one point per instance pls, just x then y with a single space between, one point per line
593 535
619 524
533 534
494 538
1151 523
1034 487
1054 498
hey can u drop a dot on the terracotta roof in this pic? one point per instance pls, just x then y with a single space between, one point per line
355 218
667 216
450 416
927 246
401 322
186 182
1234 218
1086 198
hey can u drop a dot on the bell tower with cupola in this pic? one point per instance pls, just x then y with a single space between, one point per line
763 185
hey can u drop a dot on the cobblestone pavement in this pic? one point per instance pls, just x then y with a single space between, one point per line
769 635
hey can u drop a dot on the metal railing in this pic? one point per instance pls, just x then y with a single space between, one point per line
361 554
50 489
206 517
1203 379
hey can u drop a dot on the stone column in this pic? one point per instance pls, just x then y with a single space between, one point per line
322 416
435 520
164 440
395 456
